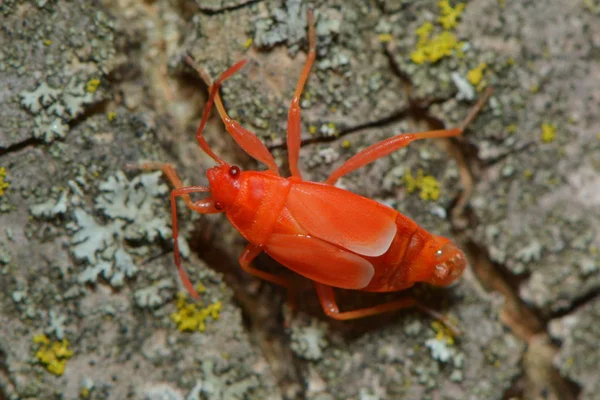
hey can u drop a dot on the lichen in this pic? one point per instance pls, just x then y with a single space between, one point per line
435 48
548 133
150 297
429 186
223 387
3 184
53 354
54 108
309 341
450 14
191 317
475 75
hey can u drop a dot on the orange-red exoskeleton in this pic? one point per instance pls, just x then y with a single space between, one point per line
336 238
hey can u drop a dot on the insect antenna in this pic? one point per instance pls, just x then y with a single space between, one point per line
213 89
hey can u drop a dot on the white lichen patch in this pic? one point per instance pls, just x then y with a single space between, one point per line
133 212
127 216
54 108
308 342
152 296
222 387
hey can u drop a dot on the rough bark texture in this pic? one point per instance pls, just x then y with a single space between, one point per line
85 244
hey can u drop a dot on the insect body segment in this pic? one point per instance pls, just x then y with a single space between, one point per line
329 235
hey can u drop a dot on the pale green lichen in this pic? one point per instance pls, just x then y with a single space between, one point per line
227 386
54 108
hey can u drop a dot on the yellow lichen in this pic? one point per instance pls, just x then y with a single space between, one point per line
3 184
248 43
346 144
512 128
429 186
92 85
450 14
53 354
192 317
47 42
442 333
528 173
548 133
476 74
312 129
385 37
435 48
111 115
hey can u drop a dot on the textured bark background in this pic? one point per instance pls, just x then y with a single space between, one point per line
89 306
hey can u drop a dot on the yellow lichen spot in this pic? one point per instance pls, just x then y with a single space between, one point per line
332 109
548 133
346 144
92 85
449 14
442 333
111 115
312 129
593 250
192 317
429 186
598 136
248 43
528 173
385 37
424 31
53 355
84 393
200 288
534 88
512 128
510 61
47 42
501 3
476 74
3 184
435 48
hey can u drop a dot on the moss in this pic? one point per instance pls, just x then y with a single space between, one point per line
53 354
3 184
192 317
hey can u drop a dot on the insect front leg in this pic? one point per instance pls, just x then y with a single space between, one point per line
329 305
293 128
204 206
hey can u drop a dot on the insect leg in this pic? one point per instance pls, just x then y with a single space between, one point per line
204 206
243 137
293 128
249 254
329 305
389 145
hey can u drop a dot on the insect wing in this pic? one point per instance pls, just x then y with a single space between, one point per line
343 218
320 261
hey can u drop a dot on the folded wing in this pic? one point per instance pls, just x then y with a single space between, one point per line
337 216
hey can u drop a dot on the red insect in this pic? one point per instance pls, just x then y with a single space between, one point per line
336 238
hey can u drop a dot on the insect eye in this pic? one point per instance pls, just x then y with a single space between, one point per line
234 172
218 205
